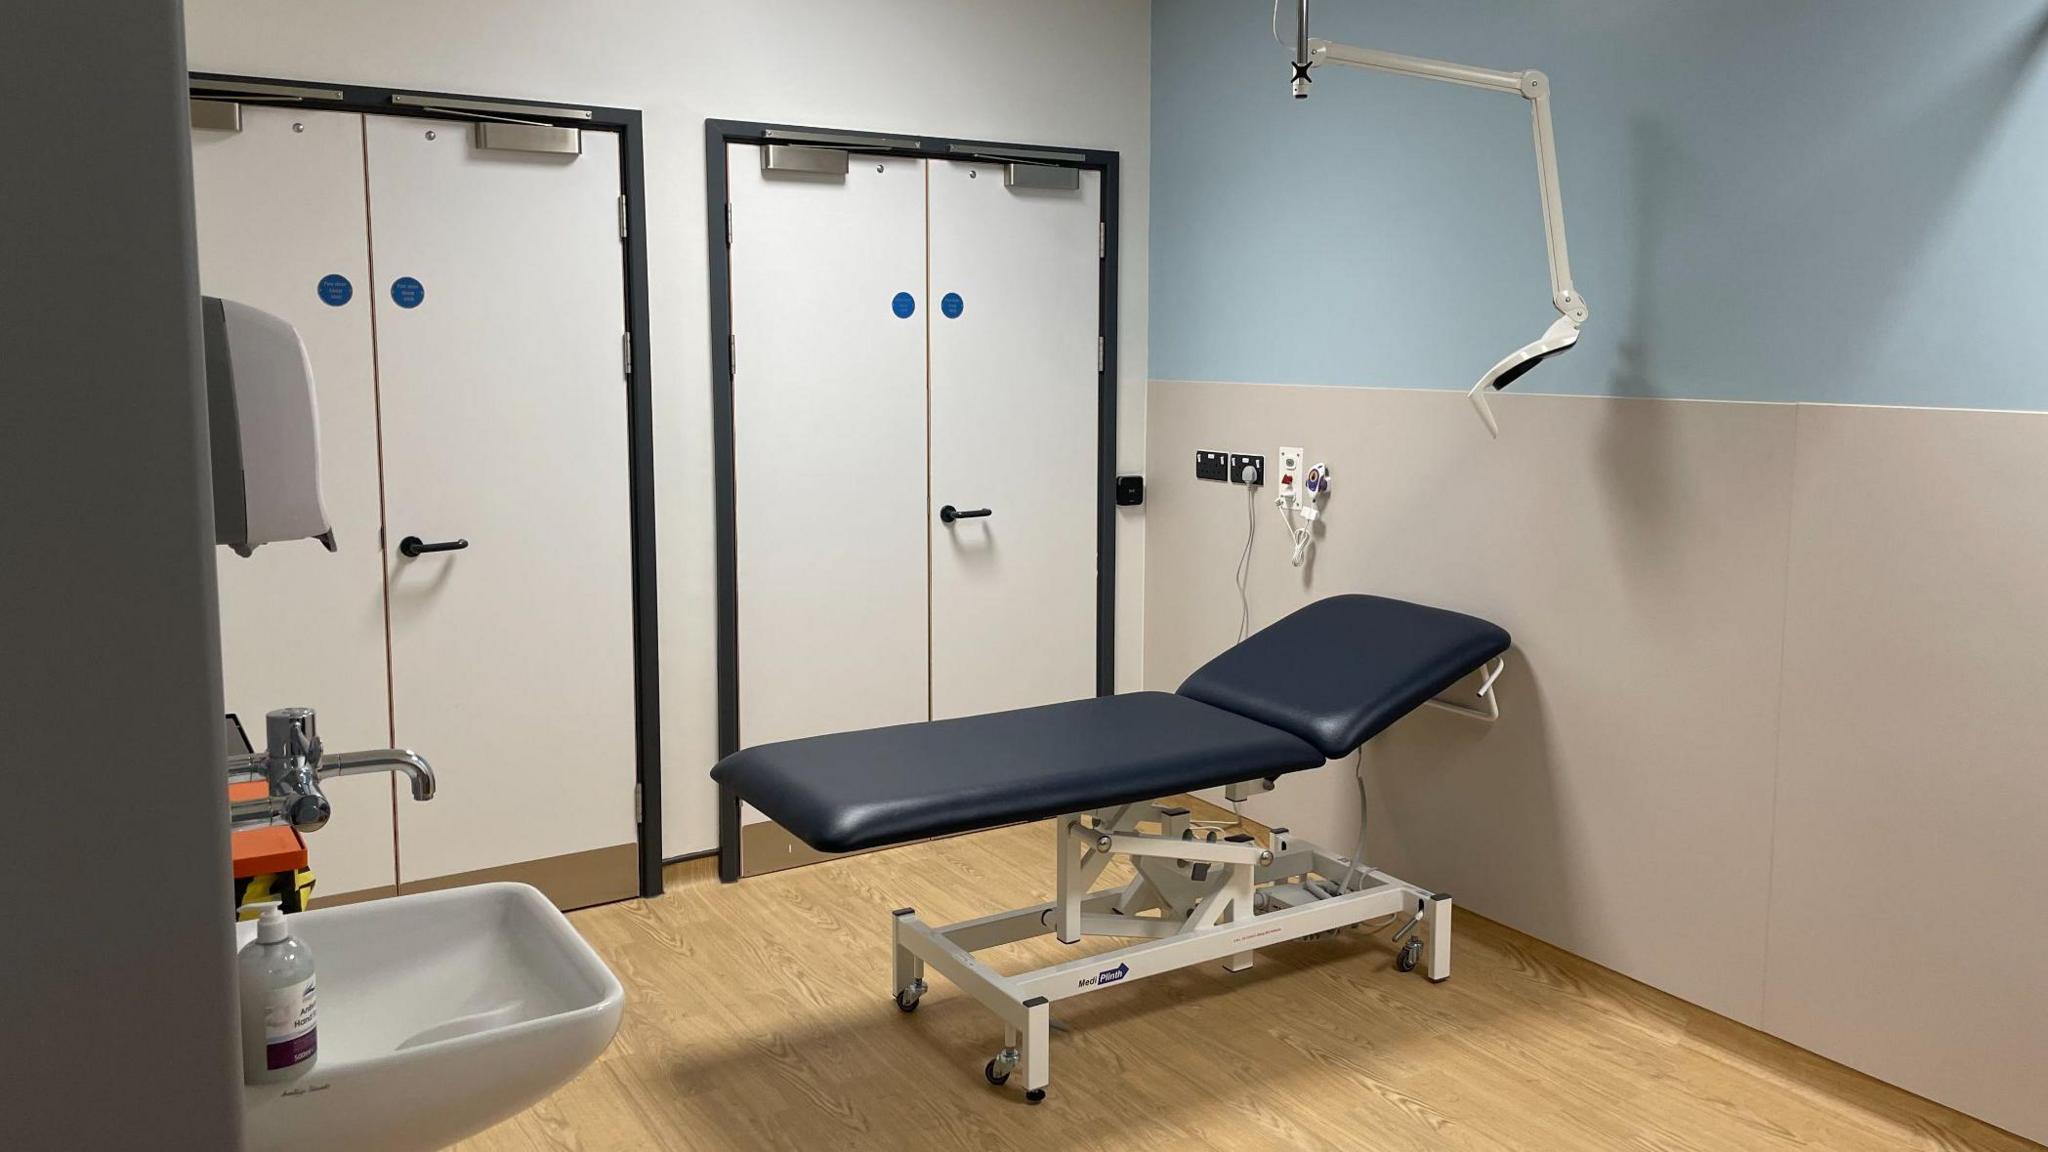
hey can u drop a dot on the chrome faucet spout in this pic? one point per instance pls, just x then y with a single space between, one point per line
293 763
411 764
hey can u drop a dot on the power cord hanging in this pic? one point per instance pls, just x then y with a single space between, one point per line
1244 564
1358 857
1315 484
1298 533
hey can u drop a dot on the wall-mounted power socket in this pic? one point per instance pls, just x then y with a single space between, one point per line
1246 469
1211 465
1290 473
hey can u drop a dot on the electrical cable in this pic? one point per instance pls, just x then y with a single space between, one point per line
1322 890
1299 534
1244 563
1358 857
1243 575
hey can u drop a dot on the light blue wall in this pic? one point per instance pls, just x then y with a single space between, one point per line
1829 200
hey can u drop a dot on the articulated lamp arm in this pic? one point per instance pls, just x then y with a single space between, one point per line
1533 87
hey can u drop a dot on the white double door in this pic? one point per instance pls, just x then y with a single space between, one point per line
912 335
463 312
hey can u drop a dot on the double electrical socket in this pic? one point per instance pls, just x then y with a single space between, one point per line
1236 467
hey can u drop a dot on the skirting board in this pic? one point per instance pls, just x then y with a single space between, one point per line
766 846
575 880
360 895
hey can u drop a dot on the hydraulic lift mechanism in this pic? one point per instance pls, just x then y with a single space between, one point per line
1532 86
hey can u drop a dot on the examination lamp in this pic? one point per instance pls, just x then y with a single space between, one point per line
1532 86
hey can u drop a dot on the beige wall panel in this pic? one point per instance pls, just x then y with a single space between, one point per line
1908 918
1637 551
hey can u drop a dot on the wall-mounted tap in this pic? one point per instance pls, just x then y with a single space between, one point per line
411 764
293 763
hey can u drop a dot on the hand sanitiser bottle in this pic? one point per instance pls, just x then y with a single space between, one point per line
280 1007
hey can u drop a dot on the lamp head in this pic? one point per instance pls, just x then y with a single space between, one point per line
1561 335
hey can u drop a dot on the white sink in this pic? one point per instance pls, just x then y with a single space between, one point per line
440 1014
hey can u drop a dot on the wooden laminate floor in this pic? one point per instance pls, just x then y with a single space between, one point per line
758 1016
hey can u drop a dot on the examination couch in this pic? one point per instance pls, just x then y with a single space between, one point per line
1313 686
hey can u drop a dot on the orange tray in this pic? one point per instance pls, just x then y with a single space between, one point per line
262 850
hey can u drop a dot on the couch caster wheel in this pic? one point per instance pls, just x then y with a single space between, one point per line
998 1070
1035 1095
906 999
1411 954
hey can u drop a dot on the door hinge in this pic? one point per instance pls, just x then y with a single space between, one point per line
626 353
728 225
1101 239
639 816
622 217
732 357
1098 353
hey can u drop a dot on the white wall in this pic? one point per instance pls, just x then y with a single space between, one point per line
1056 72
1769 737
118 1021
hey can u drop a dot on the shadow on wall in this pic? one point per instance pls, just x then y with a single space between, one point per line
1795 277
1657 169
1824 200
1712 299
1638 480
1436 779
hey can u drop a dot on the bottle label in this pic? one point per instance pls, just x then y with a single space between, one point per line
289 1016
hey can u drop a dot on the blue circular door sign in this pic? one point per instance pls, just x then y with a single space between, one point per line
407 292
903 305
950 305
335 290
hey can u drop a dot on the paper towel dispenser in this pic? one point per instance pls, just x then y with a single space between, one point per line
265 427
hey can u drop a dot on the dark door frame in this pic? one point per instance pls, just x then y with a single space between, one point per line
717 135
625 122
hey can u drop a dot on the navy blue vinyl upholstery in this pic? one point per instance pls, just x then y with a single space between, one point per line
1337 672
854 790
1314 685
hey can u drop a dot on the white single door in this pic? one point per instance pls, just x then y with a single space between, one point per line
828 322
500 298
1015 288
279 206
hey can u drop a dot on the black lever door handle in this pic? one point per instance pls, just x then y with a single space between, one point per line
414 546
950 513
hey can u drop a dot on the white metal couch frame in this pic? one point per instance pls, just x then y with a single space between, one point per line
1193 900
